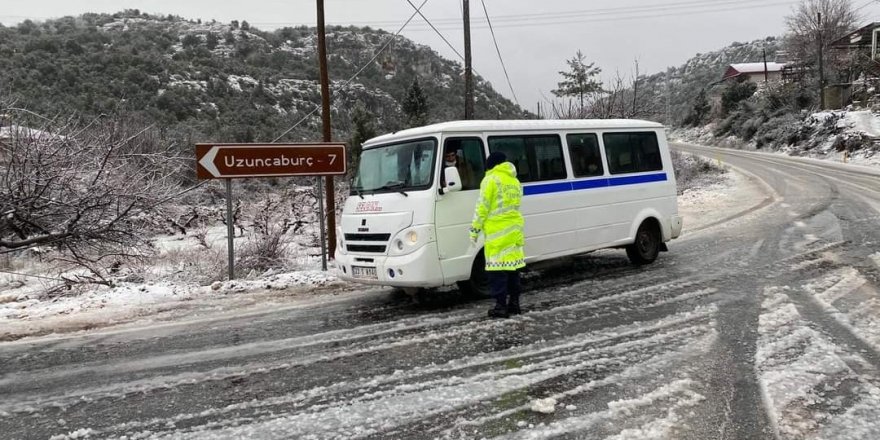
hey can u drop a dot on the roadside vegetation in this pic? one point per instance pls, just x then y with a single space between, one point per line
692 172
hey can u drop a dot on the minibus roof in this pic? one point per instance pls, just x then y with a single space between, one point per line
515 125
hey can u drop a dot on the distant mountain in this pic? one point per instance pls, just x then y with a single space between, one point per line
210 81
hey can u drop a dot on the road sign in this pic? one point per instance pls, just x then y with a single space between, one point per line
226 161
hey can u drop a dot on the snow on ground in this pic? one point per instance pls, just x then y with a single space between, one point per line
168 287
850 123
800 369
734 193
864 121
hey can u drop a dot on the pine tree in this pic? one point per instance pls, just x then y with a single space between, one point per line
364 128
580 80
415 106
699 110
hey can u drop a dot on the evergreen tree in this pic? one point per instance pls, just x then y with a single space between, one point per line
580 80
735 92
211 40
415 105
699 111
364 128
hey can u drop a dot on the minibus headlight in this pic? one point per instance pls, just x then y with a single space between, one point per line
412 237
399 244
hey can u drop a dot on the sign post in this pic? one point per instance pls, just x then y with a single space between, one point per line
230 230
241 161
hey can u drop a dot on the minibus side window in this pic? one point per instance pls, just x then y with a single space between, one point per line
536 157
632 152
586 161
470 160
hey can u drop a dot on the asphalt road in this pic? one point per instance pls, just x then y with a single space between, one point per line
749 328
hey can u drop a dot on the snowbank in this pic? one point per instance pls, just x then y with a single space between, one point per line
823 135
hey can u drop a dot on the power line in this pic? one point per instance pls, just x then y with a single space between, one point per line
864 5
435 29
364 67
497 50
441 36
645 15
620 12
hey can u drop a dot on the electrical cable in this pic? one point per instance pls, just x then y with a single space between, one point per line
622 12
367 64
444 38
647 15
435 29
497 50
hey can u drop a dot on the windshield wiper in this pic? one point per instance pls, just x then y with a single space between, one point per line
393 185
357 190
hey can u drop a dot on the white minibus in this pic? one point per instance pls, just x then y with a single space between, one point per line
587 185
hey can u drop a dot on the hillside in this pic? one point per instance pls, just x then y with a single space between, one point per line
223 81
701 72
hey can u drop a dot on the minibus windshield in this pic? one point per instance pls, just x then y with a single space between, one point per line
399 167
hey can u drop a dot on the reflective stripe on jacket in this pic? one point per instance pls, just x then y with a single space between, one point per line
497 216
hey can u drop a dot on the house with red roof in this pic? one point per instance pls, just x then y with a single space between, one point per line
754 72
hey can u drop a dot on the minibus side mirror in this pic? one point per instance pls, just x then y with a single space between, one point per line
453 180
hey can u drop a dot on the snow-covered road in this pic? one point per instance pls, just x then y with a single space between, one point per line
764 324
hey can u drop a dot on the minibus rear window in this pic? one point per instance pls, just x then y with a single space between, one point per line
536 157
634 152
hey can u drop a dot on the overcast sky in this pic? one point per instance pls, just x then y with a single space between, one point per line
535 37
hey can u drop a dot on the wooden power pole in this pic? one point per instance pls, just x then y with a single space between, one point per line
468 71
325 122
821 62
766 75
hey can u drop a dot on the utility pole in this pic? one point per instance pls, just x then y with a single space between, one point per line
766 79
668 90
821 67
468 71
325 122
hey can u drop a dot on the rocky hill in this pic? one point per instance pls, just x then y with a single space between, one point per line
701 72
210 81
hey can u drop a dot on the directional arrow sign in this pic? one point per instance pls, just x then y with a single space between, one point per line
226 161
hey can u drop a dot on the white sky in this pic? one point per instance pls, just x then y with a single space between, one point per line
535 37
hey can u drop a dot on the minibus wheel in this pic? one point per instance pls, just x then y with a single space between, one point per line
477 286
647 244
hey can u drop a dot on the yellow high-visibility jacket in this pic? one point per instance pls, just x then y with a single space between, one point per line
497 216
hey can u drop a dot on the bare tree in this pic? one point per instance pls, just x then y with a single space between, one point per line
86 190
808 34
622 97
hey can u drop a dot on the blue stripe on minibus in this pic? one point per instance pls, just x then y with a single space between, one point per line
594 183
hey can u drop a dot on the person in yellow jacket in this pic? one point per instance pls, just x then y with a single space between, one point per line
498 218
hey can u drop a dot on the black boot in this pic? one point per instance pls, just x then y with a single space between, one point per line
513 306
498 312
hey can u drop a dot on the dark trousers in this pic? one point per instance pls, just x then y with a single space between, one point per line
504 283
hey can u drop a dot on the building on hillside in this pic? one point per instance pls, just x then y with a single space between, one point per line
856 56
754 72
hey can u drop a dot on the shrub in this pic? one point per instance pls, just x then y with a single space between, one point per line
693 171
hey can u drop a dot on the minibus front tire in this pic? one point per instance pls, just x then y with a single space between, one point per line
477 286
647 243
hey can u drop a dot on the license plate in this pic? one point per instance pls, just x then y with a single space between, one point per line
364 272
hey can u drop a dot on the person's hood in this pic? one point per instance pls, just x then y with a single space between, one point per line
505 168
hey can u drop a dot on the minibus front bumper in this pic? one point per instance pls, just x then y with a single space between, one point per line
419 268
